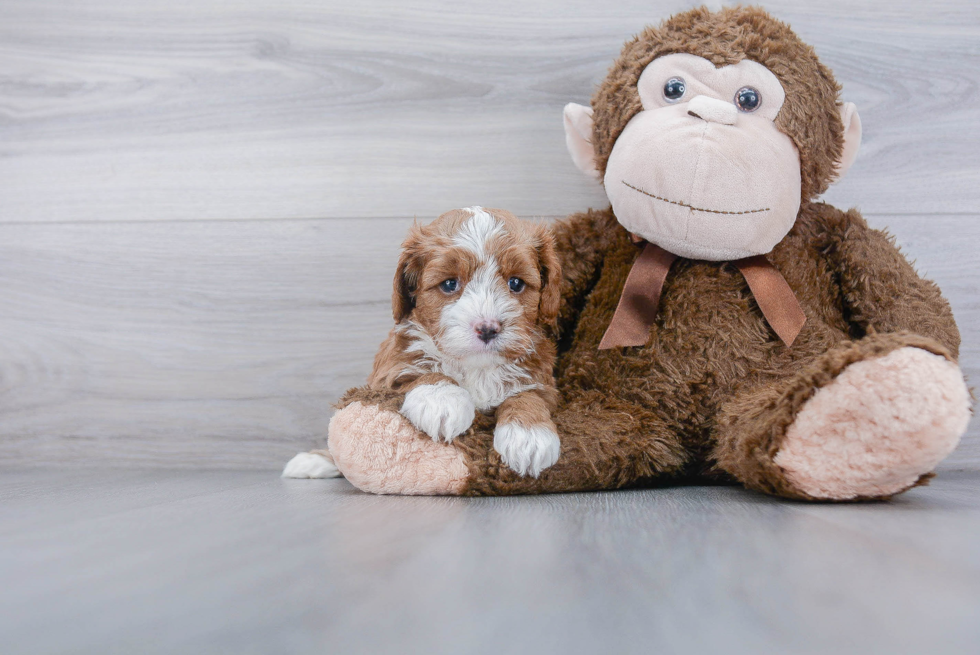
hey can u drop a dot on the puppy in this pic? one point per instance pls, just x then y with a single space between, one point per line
475 295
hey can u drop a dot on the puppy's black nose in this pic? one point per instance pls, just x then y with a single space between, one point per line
487 332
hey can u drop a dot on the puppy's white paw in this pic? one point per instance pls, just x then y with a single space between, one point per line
310 465
443 411
528 451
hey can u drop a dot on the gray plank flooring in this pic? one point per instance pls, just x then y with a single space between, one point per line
243 562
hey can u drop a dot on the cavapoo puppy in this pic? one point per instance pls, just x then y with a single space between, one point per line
474 295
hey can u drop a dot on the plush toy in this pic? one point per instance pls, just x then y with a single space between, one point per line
716 322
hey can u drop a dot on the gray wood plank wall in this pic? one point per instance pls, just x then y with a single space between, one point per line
201 202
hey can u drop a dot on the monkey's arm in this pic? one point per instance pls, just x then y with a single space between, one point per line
581 241
881 290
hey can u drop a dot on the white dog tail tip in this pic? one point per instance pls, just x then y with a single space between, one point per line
316 465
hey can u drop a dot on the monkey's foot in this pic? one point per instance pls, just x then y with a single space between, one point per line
877 428
381 452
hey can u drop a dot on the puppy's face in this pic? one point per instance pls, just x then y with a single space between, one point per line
478 282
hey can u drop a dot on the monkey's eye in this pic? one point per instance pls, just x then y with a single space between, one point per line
516 284
748 99
449 286
674 89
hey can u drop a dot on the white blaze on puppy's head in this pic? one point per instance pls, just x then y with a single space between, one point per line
477 231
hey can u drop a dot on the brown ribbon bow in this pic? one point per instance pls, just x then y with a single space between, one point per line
637 308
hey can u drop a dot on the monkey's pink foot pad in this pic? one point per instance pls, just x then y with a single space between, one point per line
380 452
878 427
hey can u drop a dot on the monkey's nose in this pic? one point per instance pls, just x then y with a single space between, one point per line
713 110
488 331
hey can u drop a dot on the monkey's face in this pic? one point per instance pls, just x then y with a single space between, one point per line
713 162
703 171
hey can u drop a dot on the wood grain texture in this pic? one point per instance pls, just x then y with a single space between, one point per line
202 343
242 562
114 110
223 343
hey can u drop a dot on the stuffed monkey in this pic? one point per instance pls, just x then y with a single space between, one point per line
717 321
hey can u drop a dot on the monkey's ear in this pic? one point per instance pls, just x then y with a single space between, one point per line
578 138
551 278
408 274
852 137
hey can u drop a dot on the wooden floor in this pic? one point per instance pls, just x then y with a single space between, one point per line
243 562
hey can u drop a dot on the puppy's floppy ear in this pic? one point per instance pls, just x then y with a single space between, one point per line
551 278
411 262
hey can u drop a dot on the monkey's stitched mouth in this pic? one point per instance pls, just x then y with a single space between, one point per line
691 207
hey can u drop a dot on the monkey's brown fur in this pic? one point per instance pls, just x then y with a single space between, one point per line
712 393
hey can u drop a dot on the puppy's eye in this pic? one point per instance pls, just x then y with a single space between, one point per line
516 284
674 89
449 286
748 99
